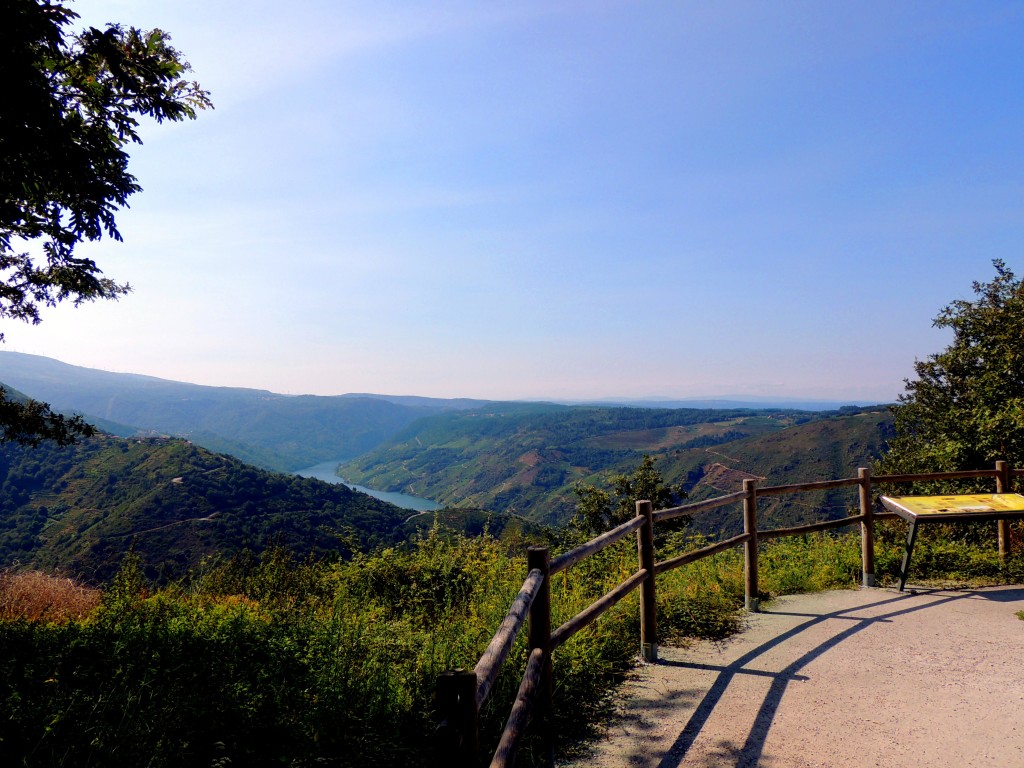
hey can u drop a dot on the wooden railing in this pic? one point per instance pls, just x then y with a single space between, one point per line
461 693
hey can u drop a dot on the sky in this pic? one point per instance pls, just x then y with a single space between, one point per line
564 200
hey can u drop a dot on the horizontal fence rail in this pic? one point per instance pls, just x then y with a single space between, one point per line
490 663
588 615
820 485
700 554
698 506
594 546
461 694
923 476
778 533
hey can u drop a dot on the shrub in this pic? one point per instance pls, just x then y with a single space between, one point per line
270 660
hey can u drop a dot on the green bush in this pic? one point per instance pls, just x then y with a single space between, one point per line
270 661
273 661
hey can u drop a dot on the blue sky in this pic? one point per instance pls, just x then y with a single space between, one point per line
562 199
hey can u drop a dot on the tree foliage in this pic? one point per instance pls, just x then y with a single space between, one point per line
965 410
70 109
599 510
29 422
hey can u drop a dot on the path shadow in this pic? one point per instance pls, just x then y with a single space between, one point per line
750 752
996 595
1001 593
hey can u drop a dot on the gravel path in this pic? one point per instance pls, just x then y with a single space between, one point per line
853 678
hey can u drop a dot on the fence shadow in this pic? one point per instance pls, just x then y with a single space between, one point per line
998 596
749 753
461 693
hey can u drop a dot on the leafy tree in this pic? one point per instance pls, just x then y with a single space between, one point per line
29 422
70 109
965 410
599 510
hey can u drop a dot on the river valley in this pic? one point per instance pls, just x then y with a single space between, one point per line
326 471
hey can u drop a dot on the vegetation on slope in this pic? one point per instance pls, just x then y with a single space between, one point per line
526 458
81 508
824 449
272 661
515 458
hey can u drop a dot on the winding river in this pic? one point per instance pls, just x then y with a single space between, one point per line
326 471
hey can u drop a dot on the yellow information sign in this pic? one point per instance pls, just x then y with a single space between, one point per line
938 509
973 504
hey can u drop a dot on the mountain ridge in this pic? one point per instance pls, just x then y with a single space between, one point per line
281 432
267 429
18 363
522 457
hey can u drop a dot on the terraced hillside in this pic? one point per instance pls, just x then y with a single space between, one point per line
824 449
527 458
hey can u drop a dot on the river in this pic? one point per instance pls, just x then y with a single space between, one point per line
326 471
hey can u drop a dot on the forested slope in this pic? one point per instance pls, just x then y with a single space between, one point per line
824 449
79 509
526 457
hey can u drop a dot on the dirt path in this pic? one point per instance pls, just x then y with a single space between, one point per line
853 678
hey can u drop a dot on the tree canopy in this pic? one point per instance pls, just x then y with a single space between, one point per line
599 510
965 410
71 107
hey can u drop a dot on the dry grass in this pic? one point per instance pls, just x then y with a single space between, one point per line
37 596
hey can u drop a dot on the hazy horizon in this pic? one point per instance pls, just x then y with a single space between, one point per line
561 200
653 399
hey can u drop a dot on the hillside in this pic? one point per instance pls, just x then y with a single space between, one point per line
526 457
280 432
79 509
512 458
824 449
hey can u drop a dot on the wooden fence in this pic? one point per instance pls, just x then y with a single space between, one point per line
461 693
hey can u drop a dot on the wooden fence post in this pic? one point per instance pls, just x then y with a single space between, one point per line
753 604
867 528
1004 485
456 738
540 637
645 554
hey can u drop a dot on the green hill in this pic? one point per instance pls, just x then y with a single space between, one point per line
525 458
824 449
79 509
513 458
275 431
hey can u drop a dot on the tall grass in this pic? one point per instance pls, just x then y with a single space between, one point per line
37 596
274 661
